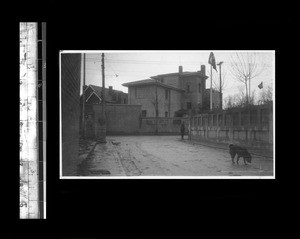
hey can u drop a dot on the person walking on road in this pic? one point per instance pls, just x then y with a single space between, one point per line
182 129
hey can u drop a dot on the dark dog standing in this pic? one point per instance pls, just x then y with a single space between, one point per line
240 152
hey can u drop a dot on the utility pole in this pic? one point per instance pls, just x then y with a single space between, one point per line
83 99
102 119
103 85
210 87
221 101
212 62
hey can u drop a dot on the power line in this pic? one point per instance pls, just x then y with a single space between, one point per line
167 63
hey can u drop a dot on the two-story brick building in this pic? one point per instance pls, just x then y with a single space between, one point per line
171 92
151 92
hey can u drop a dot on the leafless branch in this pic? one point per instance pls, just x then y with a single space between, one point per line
216 80
244 67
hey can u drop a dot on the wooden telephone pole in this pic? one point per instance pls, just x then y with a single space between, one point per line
103 118
210 95
221 100
103 86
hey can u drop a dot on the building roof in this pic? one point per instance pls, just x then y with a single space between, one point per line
185 73
150 82
154 79
93 93
97 90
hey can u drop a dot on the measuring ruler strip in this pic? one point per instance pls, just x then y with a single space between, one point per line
32 125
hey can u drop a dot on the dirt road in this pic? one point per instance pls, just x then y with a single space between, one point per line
171 156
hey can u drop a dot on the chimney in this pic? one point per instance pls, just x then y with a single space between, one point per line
180 69
203 69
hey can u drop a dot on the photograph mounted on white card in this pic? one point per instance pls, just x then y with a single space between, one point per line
167 114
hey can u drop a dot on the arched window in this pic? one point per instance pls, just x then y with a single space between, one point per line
187 88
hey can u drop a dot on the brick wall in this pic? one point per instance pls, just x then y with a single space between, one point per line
121 98
164 125
126 120
120 118
70 110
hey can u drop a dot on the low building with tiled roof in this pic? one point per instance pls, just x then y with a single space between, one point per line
93 95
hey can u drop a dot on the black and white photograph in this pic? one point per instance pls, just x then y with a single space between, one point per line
167 114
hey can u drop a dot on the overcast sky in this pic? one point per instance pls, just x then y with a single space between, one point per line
127 66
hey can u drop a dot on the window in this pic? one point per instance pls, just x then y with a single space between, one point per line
189 105
144 113
199 87
140 92
187 88
167 94
166 114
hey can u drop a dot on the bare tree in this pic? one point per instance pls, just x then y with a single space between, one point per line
239 99
252 98
216 83
216 80
155 100
266 96
244 67
229 102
